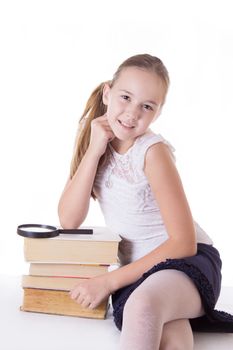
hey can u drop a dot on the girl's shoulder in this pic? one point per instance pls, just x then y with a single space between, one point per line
145 141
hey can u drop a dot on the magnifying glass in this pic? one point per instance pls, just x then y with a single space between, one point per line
48 231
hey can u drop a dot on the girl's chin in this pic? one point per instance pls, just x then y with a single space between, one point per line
123 133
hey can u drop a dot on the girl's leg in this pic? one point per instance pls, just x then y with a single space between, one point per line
165 296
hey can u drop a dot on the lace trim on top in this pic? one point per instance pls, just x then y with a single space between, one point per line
124 165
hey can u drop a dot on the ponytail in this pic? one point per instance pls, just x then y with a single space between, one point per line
94 109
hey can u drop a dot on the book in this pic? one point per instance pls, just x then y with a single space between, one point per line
99 248
58 264
59 303
53 283
67 270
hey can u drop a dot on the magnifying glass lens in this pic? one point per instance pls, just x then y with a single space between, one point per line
37 229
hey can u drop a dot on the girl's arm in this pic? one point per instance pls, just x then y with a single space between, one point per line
74 202
168 191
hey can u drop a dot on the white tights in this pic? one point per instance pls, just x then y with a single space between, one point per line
156 313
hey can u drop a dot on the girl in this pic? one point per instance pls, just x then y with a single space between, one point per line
170 274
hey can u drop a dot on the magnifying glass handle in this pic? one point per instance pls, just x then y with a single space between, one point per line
78 231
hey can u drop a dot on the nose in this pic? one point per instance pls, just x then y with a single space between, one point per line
132 114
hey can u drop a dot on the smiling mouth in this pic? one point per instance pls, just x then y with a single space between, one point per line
126 125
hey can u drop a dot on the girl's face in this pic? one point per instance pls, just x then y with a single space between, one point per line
133 103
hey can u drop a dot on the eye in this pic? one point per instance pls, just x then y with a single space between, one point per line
148 107
125 97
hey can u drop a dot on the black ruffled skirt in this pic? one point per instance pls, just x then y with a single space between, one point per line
205 271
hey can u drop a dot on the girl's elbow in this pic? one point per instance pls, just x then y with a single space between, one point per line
191 248
69 225
67 222
64 222
186 248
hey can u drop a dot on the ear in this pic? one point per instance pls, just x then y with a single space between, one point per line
106 91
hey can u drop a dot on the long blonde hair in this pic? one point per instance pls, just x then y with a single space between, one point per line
95 106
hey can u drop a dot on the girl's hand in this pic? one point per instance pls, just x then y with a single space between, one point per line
101 134
91 292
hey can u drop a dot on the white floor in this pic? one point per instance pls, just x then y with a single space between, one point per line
24 331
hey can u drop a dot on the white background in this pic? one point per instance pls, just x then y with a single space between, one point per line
54 53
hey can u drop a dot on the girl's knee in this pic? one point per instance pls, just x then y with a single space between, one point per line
137 303
141 304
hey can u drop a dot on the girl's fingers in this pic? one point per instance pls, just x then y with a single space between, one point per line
102 118
105 125
80 300
75 292
86 303
111 137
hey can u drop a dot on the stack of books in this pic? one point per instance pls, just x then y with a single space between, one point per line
58 264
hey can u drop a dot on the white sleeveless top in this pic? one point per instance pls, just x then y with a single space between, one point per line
127 202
